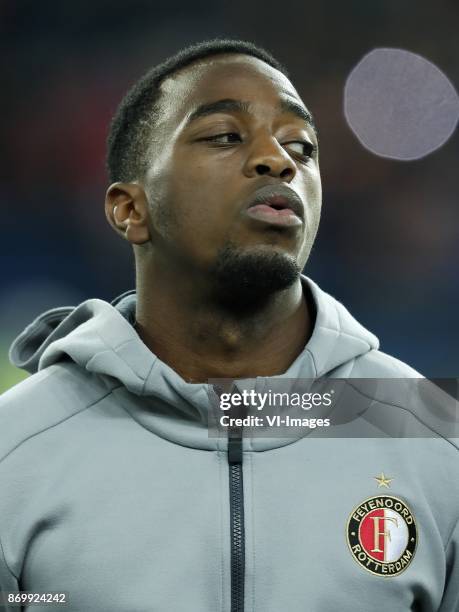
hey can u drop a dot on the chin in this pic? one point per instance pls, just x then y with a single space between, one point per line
245 278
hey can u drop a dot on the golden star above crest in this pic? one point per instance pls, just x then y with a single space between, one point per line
383 481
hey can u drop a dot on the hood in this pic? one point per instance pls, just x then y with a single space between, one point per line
100 337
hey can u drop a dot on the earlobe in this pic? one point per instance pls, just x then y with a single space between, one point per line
127 212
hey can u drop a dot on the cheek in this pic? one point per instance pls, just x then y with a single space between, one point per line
313 182
198 222
197 202
313 203
201 192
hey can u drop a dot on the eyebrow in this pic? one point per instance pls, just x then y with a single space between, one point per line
228 105
290 106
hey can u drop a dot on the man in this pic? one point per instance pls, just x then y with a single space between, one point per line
113 491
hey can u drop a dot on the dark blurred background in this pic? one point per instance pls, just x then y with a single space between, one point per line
388 245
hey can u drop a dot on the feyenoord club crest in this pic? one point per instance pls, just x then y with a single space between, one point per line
382 535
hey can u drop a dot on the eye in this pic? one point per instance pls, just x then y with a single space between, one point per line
231 136
302 147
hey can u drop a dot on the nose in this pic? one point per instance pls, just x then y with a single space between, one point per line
267 156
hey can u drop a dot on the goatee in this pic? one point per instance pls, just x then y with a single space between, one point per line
244 280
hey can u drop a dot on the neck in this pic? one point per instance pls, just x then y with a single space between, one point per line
201 339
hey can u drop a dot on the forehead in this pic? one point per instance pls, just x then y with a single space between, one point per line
223 76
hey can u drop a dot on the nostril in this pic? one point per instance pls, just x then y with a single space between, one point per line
262 169
287 172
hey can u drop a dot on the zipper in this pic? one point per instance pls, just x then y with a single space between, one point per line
236 491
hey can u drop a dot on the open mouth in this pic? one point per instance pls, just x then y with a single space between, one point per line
277 206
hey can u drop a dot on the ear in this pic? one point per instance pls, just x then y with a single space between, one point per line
126 209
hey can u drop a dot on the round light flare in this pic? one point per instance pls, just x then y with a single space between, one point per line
399 104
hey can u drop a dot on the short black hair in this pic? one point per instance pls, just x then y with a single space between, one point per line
135 118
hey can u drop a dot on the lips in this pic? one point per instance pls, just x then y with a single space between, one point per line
276 204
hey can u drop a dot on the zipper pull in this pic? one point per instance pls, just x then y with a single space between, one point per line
235 445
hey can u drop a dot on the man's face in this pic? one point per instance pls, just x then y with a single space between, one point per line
204 171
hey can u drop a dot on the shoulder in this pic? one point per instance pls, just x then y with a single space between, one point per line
376 364
403 402
44 400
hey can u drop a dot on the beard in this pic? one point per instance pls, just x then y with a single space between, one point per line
243 280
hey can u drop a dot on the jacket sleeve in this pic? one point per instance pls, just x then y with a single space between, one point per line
8 583
450 601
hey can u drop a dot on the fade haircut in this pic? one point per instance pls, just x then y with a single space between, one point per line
133 124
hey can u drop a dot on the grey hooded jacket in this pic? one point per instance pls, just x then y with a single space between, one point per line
113 492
